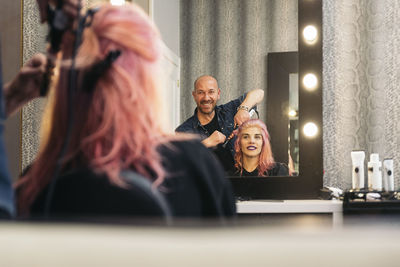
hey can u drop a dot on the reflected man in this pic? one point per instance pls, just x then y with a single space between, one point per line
215 123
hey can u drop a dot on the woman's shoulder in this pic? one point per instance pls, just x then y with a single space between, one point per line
195 176
279 169
190 155
233 172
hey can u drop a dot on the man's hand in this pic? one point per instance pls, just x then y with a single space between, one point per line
214 139
26 85
69 7
253 98
240 117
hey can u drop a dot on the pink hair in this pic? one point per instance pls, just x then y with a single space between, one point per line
266 160
118 126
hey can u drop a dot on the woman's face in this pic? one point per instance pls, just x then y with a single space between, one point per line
251 142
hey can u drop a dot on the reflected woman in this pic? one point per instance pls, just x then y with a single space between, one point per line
253 152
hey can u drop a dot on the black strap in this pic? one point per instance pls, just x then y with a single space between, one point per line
57 22
97 70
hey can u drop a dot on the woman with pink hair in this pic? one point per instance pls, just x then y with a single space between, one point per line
119 125
253 152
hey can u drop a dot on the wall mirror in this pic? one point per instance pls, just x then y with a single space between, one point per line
281 24
226 47
232 40
309 181
282 115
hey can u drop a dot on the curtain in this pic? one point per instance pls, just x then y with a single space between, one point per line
230 40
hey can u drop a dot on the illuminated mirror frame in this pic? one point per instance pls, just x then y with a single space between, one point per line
309 182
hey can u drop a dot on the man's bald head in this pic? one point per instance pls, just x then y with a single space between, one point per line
206 94
205 78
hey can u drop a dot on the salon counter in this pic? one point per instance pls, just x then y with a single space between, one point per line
309 206
33 244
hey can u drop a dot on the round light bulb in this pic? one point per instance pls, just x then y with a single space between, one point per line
310 129
310 81
117 2
310 34
292 113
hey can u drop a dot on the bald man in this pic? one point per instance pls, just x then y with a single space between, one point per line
215 123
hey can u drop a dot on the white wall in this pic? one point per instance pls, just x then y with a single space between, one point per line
145 4
165 13
166 16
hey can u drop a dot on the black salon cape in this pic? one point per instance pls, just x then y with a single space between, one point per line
196 188
279 169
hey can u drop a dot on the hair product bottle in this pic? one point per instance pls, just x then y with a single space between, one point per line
357 158
388 176
374 173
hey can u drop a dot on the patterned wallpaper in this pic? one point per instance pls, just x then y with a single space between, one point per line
34 36
361 69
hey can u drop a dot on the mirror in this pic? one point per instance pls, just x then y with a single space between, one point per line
283 107
232 40
309 182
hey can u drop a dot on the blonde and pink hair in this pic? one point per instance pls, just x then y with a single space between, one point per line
266 160
117 126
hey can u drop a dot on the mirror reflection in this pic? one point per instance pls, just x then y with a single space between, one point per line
216 125
230 40
293 126
253 155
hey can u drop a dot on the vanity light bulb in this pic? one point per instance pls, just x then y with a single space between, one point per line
292 113
310 34
117 2
310 129
310 81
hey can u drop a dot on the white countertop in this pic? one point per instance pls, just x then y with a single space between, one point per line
290 206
